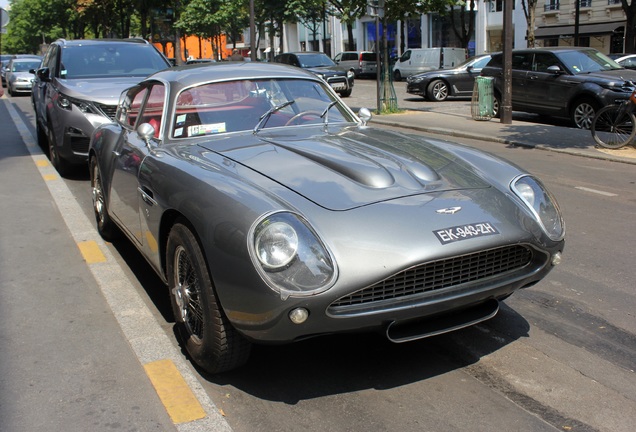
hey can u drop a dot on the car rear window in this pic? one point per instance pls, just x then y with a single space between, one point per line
368 57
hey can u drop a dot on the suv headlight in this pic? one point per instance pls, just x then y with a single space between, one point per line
350 74
542 204
67 102
289 256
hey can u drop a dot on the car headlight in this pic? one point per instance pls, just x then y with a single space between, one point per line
350 74
67 102
289 256
414 79
542 204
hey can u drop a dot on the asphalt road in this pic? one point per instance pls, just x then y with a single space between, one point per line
559 356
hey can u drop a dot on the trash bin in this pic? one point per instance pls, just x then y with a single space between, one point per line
481 107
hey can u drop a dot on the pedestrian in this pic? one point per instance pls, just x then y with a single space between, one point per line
236 56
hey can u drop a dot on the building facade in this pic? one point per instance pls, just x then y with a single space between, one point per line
601 26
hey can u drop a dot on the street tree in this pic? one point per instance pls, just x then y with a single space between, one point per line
630 25
348 11
529 10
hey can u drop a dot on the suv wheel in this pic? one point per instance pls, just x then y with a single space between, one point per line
397 76
57 161
583 112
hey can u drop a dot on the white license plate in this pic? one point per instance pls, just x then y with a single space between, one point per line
465 232
338 86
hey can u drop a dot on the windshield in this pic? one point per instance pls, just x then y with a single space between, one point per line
587 61
110 60
252 105
314 60
25 66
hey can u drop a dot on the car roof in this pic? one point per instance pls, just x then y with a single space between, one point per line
77 42
549 49
188 75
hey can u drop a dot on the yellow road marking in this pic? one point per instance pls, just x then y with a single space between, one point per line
42 163
50 177
91 252
178 399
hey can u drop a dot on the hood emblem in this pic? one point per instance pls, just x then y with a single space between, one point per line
449 210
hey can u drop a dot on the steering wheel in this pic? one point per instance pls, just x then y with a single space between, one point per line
301 114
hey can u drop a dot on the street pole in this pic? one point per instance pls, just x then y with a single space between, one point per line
252 32
505 110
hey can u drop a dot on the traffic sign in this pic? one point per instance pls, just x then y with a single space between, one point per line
4 17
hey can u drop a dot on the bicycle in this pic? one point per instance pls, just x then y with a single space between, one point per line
614 126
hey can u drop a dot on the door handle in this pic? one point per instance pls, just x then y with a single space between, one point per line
147 196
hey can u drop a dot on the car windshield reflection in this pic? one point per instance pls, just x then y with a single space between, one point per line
242 105
580 62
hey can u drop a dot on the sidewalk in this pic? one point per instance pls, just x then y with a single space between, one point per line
525 134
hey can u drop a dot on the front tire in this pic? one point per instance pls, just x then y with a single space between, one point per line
437 91
62 166
212 342
397 76
614 127
583 113
345 93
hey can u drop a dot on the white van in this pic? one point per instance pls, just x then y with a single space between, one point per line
417 60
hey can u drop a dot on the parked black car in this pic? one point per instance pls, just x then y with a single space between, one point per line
438 85
562 82
339 78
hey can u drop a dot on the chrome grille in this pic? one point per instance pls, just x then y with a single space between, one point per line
442 274
108 110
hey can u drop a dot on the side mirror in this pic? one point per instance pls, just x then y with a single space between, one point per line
555 69
365 115
43 74
145 132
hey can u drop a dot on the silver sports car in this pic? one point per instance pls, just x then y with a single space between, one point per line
274 213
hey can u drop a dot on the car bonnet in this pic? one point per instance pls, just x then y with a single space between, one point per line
352 168
103 90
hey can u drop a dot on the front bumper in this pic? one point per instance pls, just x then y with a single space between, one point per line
404 298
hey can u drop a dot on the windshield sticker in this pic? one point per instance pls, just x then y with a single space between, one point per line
206 129
178 132
181 119
465 232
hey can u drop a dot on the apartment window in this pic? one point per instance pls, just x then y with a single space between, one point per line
585 3
551 5
613 2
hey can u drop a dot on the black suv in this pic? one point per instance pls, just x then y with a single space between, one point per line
77 88
339 78
562 82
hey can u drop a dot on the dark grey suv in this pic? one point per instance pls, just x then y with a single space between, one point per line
77 88
339 78
564 82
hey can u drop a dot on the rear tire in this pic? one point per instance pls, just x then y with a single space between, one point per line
105 225
397 76
612 128
209 338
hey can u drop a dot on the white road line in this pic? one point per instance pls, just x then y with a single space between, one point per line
609 194
146 337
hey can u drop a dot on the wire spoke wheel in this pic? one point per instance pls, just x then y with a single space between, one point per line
614 127
208 336
187 293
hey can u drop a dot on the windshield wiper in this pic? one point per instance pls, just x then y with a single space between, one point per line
263 119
